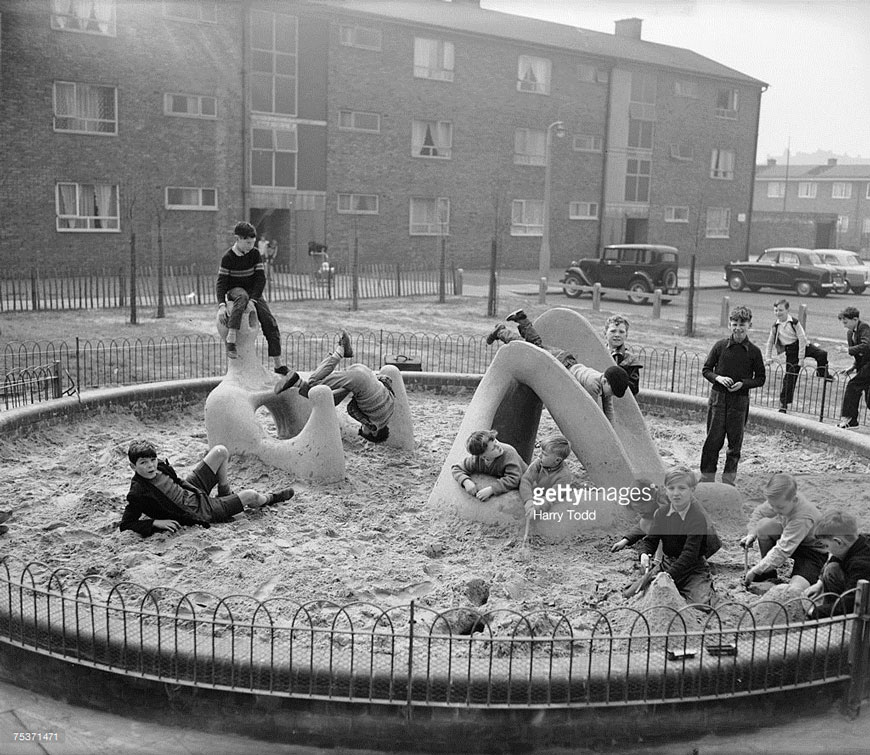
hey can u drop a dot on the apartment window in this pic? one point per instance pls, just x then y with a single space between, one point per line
867 195
87 207
190 105
865 226
433 59
432 139
588 143
363 37
775 189
354 120
682 151
85 108
530 147
191 10
527 217
640 134
430 216
273 157
676 214
642 100
591 74
841 190
273 63
637 177
190 198
726 103
718 222
683 88
807 189
533 75
842 223
89 16
583 210
357 204
722 164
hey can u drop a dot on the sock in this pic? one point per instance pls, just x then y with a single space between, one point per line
224 490
279 496
231 336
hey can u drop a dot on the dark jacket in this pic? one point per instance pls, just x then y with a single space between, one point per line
741 361
859 344
682 539
855 565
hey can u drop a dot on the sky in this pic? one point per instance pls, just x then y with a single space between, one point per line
814 54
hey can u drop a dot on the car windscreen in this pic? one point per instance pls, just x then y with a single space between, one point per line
815 259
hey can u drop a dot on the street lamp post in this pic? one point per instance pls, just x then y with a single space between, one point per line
544 259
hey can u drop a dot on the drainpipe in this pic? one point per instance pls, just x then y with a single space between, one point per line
752 180
604 148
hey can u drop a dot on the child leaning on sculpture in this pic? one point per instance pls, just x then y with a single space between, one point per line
491 457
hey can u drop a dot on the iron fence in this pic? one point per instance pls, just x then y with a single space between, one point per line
417 655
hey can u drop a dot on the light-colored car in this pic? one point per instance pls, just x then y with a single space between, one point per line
855 272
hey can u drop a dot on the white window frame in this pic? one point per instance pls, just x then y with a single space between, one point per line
867 194
206 11
721 230
521 217
347 203
590 74
637 177
645 132
722 164
199 205
441 133
686 88
677 214
730 98
683 151
65 18
842 223
807 189
434 59
355 36
775 189
347 121
530 146
277 136
276 77
865 226
841 190
429 226
540 68
90 220
80 90
588 143
582 210
196 100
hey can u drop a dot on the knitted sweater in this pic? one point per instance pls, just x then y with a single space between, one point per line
508 467
241 271
539 476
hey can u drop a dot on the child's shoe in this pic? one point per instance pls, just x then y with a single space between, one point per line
280 496
495 335
516 316
232 352
287 382
344 344
283 370
783 409
848 424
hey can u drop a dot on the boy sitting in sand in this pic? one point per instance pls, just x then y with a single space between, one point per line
602 386
169 502
848 562
490 457
547 472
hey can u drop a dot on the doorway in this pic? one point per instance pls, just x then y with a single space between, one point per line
636 230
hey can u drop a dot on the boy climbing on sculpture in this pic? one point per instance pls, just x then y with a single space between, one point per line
169 502
491 457
547 472
372 398
602 386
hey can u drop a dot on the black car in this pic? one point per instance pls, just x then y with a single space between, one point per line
638 268
800 270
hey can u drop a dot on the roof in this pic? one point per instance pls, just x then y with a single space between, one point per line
816 172
468 17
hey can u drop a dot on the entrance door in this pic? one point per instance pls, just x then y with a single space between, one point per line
636 230
824 235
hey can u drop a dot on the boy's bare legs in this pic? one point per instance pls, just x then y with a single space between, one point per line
217 459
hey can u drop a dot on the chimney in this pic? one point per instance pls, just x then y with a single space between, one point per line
771 161
628 27
832 161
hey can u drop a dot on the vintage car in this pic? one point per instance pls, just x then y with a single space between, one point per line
638 268
854 269
800 270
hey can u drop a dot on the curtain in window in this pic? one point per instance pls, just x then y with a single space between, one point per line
63 9
425 137
106 205
66 205
102 12
64 99
425 54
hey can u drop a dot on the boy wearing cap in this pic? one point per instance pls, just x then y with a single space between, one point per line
734 366
602 386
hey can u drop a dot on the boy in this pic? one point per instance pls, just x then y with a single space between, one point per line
242 278
733 366
858 342
169 502
848 562
602 386
546 472
645 505
490 457
373 400
615 335
783 526
788 336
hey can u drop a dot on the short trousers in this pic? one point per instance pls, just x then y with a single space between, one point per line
205 478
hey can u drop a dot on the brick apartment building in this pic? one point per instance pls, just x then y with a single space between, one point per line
390 122
817 206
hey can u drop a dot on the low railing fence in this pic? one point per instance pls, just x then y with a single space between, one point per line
417 655
90 364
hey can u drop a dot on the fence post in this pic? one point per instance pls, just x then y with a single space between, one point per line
802 316
674 370
442 280
56 391
859 648
380 347
78 368
596 297
657 304
398 280
824 396
458 283
410 682
34 295
723 314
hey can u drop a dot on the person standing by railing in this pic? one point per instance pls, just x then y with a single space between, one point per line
858 340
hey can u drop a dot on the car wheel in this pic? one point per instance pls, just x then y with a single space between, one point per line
570 288
859 290
822 292
638 290
736 282
803 288
670 279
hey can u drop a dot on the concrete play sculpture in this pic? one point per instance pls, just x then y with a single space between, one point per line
309 437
